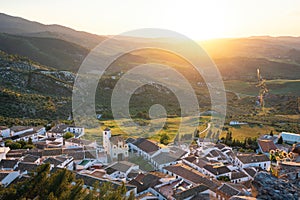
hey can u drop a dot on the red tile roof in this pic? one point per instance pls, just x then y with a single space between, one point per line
146 145
266 145
192 175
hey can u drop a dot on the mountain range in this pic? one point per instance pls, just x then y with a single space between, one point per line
40 61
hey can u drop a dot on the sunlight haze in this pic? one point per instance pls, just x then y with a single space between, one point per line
195 19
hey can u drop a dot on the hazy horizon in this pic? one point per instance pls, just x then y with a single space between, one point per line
200 20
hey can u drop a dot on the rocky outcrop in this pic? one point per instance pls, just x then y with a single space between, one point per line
266 186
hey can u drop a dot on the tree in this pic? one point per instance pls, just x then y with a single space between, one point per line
68 135
280 140
14 145
30 141
61 184
164 139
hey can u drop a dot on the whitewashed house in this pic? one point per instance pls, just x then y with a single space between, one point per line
253 160
144 147
290 138
4 131
3 152
7 177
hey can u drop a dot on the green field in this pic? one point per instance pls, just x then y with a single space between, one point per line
128 130
245 131
238 132
276 86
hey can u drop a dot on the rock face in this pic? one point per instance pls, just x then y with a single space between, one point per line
266 186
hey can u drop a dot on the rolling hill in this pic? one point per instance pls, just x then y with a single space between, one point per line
38 64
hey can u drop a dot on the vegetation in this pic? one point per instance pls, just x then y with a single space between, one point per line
68 135
164 139
224 178
61 184
248 145
19 144
280 140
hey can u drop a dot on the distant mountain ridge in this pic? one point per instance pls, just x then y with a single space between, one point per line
19 26
53 54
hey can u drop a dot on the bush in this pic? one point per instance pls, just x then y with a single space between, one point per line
164 139
68 135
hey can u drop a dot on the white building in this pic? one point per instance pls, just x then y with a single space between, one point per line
216 171
253 160
144 147
61 129
8 177
77 131
114 146
289 137
4 131
3 152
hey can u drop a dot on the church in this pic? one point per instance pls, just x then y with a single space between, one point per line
115 146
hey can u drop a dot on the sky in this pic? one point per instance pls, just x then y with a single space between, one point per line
197 19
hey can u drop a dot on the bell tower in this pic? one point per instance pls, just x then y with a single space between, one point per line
106 140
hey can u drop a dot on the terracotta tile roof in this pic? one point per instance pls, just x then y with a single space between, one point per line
228 190
146 145
77 155
192 175
90 154
130 140
238 175
252 158
22 166
190 159
71 150
30 158
122 166
145 181
80 141
90 180
217 170
220 146
19 128
250 171
8 164
28 133
52 152
215 153
53 161
266 145
59 128
35 152
167 157
191 192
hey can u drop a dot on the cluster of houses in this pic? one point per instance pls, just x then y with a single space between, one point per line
201 171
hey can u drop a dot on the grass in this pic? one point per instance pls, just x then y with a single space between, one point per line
244 131
238 132
122 127
284 87
276 86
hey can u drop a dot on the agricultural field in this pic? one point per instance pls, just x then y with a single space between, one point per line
244 131
276 86
130 130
